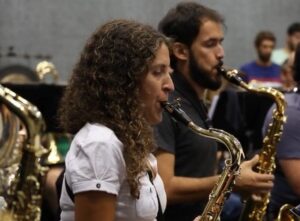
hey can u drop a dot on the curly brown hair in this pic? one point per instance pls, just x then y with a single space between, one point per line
104 88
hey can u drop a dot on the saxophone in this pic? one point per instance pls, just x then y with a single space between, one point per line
223 187
289 213
21 172
43 70
256 210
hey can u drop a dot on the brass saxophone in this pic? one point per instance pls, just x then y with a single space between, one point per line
288 213
223 187
21 172
256 210
43 70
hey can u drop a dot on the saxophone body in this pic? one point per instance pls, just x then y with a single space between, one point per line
21 171
223 187
255 211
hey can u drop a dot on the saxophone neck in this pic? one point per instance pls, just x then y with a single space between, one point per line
233 76
231 142
176 112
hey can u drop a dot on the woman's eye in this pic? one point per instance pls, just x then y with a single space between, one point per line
161 70
158 70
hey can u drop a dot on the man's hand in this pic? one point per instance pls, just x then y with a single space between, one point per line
251 182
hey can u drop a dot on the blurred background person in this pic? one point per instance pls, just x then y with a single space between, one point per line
292 39
263 71
287 174
287 74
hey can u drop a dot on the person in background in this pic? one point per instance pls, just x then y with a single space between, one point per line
187 162
286 188
263 70
287 74
292 39
112 100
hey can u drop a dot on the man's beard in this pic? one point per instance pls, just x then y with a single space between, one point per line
202 78
264 57
292 46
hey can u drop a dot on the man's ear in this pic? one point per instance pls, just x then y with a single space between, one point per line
180 51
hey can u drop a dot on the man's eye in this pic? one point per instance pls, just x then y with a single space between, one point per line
210 44
213 43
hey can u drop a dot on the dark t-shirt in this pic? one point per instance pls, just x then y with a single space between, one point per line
257 72
287 148
195 155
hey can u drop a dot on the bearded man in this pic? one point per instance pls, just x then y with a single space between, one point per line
263 70
186 161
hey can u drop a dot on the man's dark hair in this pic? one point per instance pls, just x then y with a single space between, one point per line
264 35
183 22
293 28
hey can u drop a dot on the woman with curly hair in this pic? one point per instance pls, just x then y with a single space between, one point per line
113 98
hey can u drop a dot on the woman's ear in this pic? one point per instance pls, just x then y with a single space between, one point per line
180 51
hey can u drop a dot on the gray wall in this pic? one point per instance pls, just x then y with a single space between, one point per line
59 28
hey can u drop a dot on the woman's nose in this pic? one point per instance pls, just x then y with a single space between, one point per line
169 85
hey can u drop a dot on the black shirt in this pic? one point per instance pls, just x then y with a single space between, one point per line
195 155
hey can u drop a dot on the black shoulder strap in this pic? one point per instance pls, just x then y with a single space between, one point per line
160 216
59 184
69 191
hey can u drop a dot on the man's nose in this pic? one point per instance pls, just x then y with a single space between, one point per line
220 52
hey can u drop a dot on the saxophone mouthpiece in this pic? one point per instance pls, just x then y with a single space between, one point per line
164 103
176 112
232 75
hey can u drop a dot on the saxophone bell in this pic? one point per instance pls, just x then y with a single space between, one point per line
288 213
